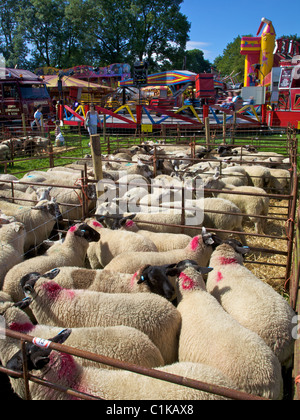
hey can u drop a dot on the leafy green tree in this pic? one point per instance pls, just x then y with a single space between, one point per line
12 43
231 61
196 62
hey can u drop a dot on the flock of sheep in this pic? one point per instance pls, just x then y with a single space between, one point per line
128 287
22 146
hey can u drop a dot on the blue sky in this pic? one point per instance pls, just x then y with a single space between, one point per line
215 23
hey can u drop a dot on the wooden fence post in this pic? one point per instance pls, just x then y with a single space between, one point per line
97 158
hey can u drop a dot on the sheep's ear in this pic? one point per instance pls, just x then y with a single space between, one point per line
204 270
172 270
29 280
62 336
23 304
124 220
52 274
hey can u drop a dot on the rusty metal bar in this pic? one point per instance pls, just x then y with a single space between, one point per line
25 371
179 380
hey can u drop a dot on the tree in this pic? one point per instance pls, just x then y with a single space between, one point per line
12 43
196 62
231 61
131 30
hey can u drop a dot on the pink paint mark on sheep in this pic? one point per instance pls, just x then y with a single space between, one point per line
187 282
66 367
133 280
73 229
219 277
21 328
194 243
129 223
97 224
227 261
52 289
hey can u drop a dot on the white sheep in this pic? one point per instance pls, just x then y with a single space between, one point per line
280 181
199 249
119 342
113 243
253 303
5 153
249 205
62 369
39 220
149 313
211 336
258 176
72 252
147 280
163 241
12 238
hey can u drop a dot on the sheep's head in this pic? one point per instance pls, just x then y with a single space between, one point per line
234 248
50 207
210 239
190 276
37 356
83 230
29 281
156 277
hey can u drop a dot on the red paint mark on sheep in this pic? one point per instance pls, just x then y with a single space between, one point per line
21 328
187 282
194 243
97 224
73 229
133 280
52 289
129 223
227 261
219 277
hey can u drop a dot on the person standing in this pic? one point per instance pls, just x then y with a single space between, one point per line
38 117
91 120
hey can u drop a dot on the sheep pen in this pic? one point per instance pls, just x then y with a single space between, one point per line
271 257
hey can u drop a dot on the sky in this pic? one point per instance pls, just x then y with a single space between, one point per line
216 23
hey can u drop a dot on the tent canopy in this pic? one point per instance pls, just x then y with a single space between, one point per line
72 82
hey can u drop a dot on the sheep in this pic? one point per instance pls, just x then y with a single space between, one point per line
249 205
39 220
113 243
253 303
27 198
148 221
258 176
64 370
149 313
71 253
163 241
12 238
119 342
279 181
151 279
6 177
211 336
222 221
200 249
5 153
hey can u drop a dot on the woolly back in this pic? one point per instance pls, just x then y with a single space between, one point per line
225 255
13 234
